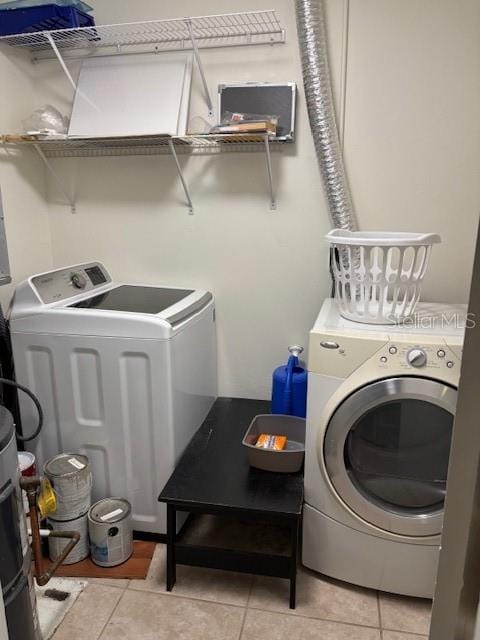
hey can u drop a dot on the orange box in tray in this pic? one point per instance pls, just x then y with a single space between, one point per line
267 441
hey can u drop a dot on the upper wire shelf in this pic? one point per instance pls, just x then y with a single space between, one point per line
193 144
234 29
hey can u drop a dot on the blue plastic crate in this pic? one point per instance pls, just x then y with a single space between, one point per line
42 18
25 4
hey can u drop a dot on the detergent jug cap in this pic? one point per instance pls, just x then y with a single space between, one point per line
295 350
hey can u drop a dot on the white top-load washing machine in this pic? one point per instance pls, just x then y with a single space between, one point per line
381 406
125 374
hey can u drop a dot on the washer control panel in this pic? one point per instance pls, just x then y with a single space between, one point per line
67 283
416 356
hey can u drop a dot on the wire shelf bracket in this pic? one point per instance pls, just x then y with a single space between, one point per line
273 202
198 60
5 273
65 69
61 60
180 175
56 177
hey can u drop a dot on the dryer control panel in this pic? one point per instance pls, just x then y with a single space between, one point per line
56 286
416 356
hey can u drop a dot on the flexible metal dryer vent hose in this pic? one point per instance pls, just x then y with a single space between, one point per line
312 40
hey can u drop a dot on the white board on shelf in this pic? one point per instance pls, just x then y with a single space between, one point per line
185 102
138 95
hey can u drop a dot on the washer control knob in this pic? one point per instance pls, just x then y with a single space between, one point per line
441 353
393 350
417 358
78 280
450 364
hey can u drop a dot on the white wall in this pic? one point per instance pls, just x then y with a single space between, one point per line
266 269
412 134
22 179
412 149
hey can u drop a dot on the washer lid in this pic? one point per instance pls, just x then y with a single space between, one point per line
6 427
82 300
135 299
169 304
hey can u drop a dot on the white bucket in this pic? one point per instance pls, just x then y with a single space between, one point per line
110 531
56 545
71 479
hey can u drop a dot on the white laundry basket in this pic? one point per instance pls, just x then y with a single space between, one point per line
378 276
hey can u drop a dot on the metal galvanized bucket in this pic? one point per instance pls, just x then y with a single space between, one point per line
56 545
71 478
110 531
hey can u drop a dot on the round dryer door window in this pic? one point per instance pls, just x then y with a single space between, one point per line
386 451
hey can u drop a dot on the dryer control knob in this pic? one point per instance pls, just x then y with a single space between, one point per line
417 357
78 280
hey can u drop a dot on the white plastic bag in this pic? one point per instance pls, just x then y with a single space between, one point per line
46 120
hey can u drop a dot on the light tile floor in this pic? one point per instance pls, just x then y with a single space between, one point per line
219 605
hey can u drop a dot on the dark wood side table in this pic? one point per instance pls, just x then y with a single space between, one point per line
213 477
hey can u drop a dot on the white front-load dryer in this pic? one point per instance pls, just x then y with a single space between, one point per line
381 407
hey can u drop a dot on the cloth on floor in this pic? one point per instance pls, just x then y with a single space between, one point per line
51 612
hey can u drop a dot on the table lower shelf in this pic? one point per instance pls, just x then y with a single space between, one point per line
193 548
229 560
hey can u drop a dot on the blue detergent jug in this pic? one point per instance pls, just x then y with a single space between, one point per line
289 386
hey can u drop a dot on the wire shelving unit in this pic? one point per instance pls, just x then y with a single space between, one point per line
179 34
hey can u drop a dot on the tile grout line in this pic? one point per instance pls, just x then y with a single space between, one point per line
379 615
242 626
414 634
255 608
301 615
250 591
170 594
108 586
248 605
111 614
382 628
259 608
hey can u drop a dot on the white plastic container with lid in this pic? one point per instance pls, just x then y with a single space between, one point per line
378 275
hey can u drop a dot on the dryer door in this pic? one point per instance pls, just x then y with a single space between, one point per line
386 451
